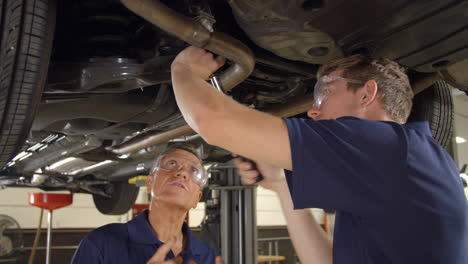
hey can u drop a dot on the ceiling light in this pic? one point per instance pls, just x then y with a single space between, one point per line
460 140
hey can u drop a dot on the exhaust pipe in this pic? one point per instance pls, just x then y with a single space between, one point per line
151 140
196 34
289 109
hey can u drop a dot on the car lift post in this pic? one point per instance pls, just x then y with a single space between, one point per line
234 205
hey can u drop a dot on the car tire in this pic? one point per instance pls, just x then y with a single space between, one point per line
123 197
435 105
26 38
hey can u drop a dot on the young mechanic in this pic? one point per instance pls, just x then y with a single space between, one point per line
397 193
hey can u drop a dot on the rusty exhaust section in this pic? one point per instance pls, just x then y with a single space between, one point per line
194 33
290 109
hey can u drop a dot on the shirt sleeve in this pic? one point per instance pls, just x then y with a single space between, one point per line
203 254
346 164
87 252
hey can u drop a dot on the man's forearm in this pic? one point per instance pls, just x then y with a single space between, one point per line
225 123
195 97
310 241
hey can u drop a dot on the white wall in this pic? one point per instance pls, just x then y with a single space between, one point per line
83 214
269 209
460 101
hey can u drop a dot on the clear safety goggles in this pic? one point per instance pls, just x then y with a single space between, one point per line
322 89
174 163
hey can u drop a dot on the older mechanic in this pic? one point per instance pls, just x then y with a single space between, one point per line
175 184
397 193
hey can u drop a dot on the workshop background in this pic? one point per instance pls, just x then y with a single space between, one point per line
72 223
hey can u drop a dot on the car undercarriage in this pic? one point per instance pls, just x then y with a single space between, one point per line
100 105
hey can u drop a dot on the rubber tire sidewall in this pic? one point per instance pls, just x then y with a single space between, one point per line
25 46
123 197
435 105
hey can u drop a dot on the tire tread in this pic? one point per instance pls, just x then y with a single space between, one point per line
24 55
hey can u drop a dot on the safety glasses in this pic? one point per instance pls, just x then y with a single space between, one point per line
174 163
322 89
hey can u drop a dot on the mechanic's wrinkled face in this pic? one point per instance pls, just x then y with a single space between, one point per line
338 102
175 187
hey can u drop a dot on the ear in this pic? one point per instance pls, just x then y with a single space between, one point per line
149 183
368 93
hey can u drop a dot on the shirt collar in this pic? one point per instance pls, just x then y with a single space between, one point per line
421 126
140 232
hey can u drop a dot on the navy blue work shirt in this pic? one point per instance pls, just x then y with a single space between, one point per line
398 195
135 242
